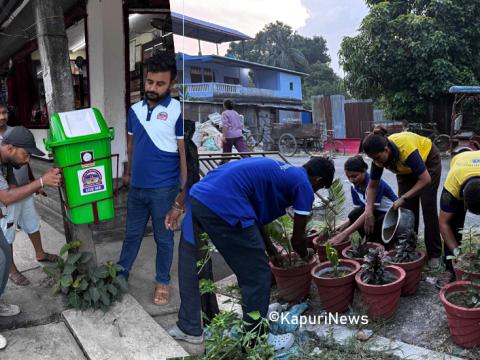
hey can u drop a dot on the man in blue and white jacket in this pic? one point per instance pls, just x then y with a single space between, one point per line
156 171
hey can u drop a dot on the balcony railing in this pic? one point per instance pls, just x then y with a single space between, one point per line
203 90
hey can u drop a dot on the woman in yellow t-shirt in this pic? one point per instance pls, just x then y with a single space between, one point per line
417 164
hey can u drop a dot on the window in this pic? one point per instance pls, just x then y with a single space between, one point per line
291 86
196 74
208 75
231 80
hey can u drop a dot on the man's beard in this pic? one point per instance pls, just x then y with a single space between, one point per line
14 164
153 96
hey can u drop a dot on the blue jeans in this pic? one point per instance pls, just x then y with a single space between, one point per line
141 205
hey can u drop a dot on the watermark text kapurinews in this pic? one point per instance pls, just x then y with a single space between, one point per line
324 319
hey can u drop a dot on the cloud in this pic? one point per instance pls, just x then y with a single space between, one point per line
333 19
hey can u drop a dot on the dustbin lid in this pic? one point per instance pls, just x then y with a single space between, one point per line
79 123
77 126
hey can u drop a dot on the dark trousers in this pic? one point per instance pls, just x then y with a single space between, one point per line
376 236
428 198
239 144
5 262
456 223
244 251
189 315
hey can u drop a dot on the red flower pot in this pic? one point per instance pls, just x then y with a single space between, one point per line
464 323
370 245
320 247
413 270
336 294
461 274
382 300
309 238
294 283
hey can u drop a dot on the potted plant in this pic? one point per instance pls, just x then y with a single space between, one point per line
292 276
359 248
335 281
380 285
313 229
409 259
461 300
466 257
332 210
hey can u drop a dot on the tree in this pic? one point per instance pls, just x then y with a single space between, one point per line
409 52
278 45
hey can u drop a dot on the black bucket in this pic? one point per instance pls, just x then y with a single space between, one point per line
397 222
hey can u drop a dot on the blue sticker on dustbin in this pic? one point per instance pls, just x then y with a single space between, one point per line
91 180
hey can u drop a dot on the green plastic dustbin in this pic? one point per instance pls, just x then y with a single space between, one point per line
81 145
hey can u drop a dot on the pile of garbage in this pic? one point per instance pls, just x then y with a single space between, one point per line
207 135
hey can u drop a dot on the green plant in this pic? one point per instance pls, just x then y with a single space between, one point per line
467 254
359 248
280 231
406 250
373 268
84 284
332 256
333 207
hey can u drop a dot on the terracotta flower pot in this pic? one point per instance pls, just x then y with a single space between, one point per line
294 284
336 294
320 247
413 270
382 300
461 274
309 238
464 323
370 245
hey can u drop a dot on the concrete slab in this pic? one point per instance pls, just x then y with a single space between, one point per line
23 252
125 332
37 304
46 342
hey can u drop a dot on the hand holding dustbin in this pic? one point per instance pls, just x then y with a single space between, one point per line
51 178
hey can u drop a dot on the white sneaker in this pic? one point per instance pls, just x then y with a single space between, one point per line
9 309
434 264
178 334
281 342
3 342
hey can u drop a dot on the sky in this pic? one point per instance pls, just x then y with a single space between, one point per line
332 19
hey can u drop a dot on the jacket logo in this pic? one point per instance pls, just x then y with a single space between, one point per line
162 116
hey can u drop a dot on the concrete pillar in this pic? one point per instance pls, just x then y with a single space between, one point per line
53 49
106 57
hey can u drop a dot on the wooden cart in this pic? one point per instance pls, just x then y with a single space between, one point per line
311 138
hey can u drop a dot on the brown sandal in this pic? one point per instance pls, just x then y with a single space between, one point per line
19 279
161 295
48 258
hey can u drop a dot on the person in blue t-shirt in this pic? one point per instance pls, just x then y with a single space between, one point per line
233 203
356 172
156 170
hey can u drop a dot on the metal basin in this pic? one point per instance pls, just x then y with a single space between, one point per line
396 222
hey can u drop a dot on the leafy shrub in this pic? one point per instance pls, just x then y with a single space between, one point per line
84 284
406 250
373 268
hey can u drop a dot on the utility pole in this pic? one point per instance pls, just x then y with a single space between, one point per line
58 84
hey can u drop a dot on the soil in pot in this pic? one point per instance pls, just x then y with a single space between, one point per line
336 290
413 270
461 272
463 322
382 300
320 244
294 280
349 253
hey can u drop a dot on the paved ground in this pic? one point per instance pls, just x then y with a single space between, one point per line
420 319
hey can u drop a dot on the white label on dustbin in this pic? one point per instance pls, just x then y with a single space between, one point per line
79 122
92 180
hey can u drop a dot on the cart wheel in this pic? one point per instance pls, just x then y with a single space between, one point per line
312 146
442 142
287 145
